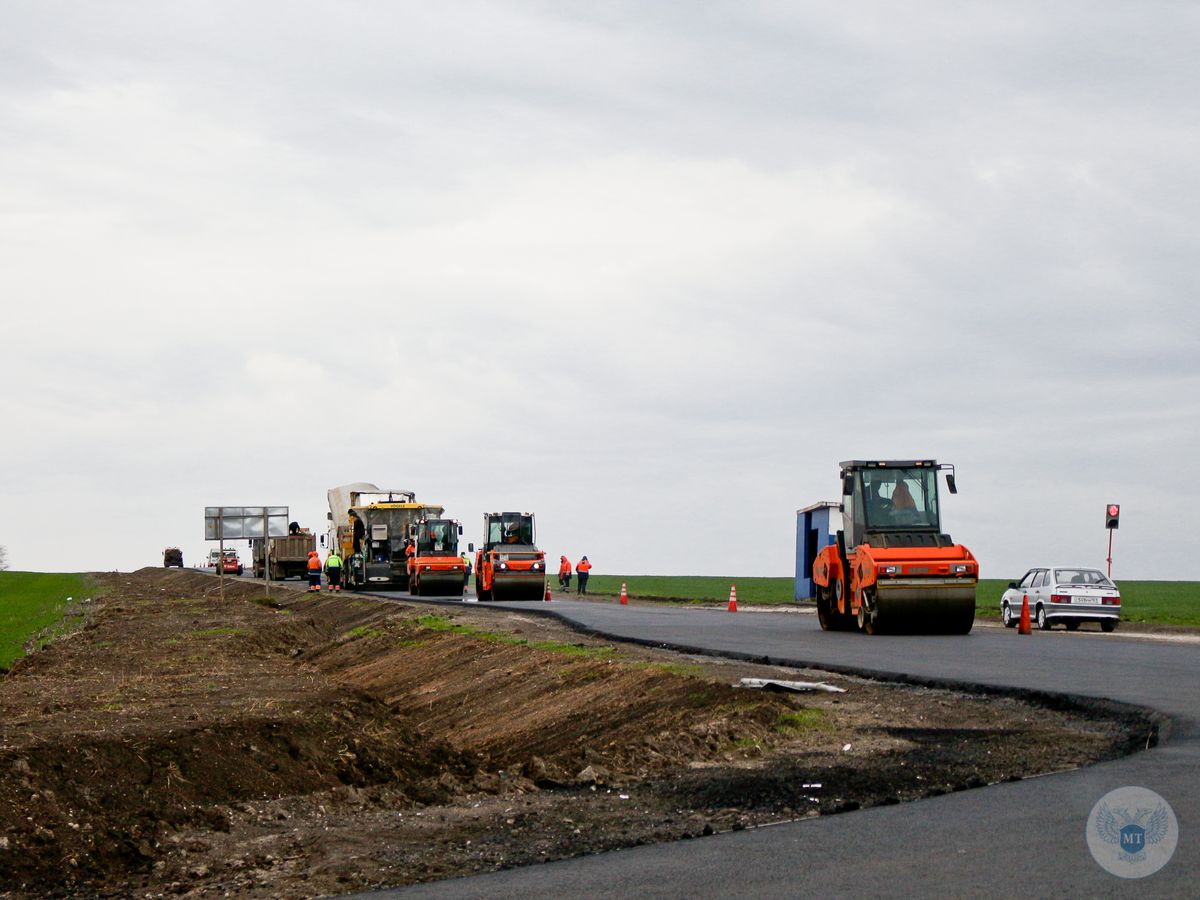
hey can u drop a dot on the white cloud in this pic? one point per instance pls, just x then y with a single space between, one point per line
650 274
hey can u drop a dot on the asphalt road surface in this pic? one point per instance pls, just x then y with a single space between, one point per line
1021 839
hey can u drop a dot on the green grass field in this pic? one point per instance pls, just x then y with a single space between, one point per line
31 602
1152 602
694 588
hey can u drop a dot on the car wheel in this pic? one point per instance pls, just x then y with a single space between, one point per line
1108 625
1006 616
1071 625
1043 622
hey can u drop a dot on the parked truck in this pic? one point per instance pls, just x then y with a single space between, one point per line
288 555
509 566
891 567
371 528
172 556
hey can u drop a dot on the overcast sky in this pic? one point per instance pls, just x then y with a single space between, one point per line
650 271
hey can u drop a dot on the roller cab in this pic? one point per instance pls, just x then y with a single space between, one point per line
892 568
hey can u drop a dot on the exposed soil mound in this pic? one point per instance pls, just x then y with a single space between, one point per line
307 745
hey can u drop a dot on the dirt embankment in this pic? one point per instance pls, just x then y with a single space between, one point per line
179 744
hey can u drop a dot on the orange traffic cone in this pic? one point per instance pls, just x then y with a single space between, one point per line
1024 627
624 595
547 597
733 598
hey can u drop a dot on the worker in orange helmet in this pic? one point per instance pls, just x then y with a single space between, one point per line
314 571
582 568
564 573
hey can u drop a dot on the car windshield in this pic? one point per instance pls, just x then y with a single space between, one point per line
900 498
1085 577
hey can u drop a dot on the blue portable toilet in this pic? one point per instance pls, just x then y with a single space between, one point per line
816 529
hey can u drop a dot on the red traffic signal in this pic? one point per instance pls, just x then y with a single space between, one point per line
1112 516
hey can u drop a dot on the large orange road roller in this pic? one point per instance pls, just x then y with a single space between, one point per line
891 568
434 567
509 566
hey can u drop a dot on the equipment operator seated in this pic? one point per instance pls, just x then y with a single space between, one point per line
902 498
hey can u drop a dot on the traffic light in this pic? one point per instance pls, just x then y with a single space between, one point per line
1112 516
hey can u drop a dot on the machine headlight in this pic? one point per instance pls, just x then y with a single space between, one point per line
504 565
889 570
536 566
960 568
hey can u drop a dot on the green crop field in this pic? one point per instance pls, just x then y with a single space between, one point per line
694 588
31 602
1152 602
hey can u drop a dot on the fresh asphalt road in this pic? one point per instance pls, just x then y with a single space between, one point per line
1021 839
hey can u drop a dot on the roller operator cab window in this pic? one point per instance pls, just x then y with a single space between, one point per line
900 498
438 537
512 529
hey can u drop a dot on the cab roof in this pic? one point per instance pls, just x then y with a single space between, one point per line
889 464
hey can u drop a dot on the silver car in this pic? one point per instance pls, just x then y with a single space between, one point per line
1063 594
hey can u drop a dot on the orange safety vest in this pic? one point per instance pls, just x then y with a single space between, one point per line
564 568
314 563
584 566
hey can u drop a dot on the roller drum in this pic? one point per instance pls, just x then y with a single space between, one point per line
435 584
519 588
934 608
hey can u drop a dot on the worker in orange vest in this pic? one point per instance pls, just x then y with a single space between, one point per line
564 574
314 571
581 569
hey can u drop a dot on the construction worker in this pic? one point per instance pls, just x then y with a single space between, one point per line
314 571
466 570
564 573
582 568
358 528
333 568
